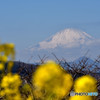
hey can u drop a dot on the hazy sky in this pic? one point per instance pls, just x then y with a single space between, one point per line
27 22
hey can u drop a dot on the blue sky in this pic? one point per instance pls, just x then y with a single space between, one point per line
27 22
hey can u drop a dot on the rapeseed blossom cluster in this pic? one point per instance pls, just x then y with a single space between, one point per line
53 80
7 52
84 84
7 49
9 83
10 86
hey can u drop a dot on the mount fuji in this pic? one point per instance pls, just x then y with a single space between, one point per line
69 44
67 38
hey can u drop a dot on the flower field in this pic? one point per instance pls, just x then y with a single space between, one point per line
49 81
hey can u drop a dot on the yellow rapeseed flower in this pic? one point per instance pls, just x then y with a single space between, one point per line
7 52
11 45
1 66
29 98
10 65
10 84
51 78
3 58
8 49
80 98
85 84
1 48
11 79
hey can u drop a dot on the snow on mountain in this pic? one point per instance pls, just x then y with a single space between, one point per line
69 44
67 38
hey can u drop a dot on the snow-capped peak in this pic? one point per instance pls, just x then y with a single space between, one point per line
66 38
69 44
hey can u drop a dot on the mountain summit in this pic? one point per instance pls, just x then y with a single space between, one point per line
67 38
